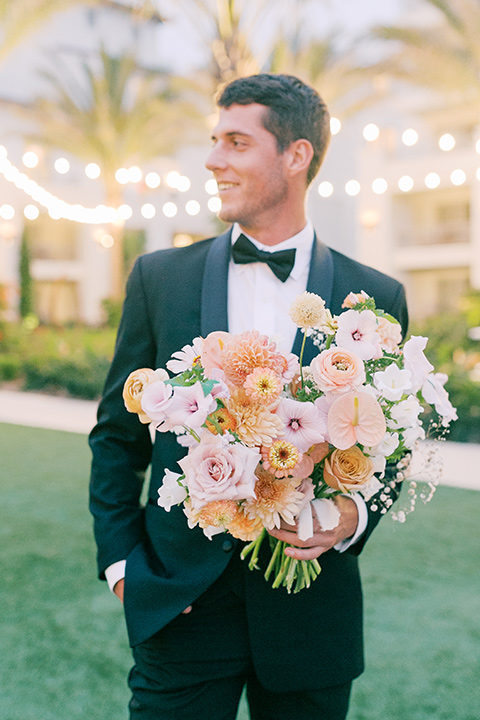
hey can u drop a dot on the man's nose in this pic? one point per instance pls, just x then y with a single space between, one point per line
216 160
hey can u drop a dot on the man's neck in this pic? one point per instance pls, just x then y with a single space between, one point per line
277 233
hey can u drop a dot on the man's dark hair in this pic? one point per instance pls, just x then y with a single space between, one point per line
295 111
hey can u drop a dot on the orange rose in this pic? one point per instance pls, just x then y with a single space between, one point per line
134 386
347 469
337 370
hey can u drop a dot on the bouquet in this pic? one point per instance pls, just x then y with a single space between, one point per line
268 439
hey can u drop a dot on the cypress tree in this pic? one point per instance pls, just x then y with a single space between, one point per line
26 285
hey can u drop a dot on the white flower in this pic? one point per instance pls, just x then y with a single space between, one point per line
386 446
435 394
187 357
357 332
371 488
171 492
392 382
412 435
405 413
415 360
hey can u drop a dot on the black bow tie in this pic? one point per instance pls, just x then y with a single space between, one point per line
280 263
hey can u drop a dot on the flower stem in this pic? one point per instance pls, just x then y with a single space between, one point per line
301 357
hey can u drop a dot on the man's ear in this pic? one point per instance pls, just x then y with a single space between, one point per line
298 156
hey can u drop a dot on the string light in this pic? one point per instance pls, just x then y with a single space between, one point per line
31 212
172 179
169 209
214 204
62 166
152 180
148 211
458 177
121 176
7 212
432 180
325 189
124 212
335 125
183 184
192 207
211 186
30 159
371 132
446 142
134 174
405 183
379 186
409 137
352 188
92 171
477 146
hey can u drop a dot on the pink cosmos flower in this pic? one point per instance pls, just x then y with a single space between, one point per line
356 417
156 401
357 332
218 470
303 423
187 357
190 407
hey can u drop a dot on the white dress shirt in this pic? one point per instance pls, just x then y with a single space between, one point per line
258 300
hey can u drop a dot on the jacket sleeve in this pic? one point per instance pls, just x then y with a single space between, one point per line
121 446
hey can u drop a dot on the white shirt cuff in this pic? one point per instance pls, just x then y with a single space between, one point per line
362 523
115 572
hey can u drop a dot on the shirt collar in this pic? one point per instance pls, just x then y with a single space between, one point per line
302 242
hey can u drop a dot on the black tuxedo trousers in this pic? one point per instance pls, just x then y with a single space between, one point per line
173 296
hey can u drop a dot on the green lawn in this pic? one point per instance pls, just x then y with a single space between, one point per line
64 654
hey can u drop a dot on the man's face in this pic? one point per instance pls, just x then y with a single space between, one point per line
249 170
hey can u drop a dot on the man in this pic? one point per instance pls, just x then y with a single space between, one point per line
202 625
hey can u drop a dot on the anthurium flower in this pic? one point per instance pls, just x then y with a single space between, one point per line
355 418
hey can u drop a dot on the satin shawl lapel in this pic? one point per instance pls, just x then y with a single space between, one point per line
214 310
320 281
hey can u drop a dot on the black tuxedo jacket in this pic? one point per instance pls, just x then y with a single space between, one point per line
173 296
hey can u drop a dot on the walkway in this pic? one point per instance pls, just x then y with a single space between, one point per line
461 461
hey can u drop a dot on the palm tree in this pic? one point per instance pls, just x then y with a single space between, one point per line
332 72
446 56
117 116
18 18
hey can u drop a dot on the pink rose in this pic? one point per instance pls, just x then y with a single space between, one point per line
218 470
338 370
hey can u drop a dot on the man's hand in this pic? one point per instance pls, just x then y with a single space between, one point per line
118 590
321 540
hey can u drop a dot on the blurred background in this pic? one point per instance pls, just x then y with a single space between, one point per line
106 112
